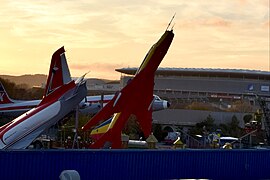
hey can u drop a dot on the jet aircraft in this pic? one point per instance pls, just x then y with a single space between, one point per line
89 105
136 98
62 95
14 108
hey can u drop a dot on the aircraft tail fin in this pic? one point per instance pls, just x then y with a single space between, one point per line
59 72
110 135
4 98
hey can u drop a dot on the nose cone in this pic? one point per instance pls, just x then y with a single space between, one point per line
168 104
160 105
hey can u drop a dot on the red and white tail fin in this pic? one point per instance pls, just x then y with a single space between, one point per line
4 98
59 72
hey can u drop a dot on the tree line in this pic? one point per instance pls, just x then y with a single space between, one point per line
22 91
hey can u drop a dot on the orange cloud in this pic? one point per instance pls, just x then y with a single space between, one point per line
103 67
216 22
96 70
243 2
266 24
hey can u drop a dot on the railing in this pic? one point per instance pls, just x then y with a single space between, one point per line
246 135
191 142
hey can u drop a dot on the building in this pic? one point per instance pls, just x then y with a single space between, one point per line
218 88
101 86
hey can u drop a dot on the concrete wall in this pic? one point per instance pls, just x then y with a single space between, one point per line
191 117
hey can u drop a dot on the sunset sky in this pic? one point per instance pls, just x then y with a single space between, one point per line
102 35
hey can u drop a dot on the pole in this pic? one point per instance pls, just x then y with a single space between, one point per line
75 140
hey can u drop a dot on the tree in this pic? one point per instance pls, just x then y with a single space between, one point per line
234 128
21 91
68 124
209 123
206 125
132 128
225 129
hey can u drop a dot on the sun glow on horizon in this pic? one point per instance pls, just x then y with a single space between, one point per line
102 36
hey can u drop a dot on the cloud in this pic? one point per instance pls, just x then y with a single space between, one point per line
266 24
97 70
210 22
118 33
64 21
104 67
85 24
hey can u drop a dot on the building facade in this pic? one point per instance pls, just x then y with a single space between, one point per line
218 88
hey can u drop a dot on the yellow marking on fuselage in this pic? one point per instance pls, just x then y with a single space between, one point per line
100 130
114 119
106 127
151 52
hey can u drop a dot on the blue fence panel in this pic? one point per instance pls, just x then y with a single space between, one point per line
136 164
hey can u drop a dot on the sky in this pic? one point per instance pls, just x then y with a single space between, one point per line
103 35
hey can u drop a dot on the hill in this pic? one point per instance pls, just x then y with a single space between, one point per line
40 79
28 79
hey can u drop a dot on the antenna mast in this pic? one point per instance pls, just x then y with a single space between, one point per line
170 22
